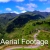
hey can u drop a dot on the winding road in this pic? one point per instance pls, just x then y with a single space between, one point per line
29 46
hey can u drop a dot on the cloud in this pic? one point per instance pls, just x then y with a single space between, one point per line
8 9
20 8
46 10
18 0
45 1
18 12
28 7
48 1
31 6
42 0
15 12
4 1
23 11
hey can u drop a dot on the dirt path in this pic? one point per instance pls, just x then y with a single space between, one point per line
29 46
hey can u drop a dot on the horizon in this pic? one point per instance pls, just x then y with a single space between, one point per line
24 12
22 6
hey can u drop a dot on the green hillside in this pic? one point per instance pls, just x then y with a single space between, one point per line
25 26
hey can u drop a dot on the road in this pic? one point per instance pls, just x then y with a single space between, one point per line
29 46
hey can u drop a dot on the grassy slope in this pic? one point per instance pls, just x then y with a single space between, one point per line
44 36
27 32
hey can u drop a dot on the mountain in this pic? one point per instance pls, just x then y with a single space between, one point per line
6 17
24 25
22 20
44 14
18 20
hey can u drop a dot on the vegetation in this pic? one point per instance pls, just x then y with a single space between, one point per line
26 49
24 26
44 36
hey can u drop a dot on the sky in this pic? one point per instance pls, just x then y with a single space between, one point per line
21 6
